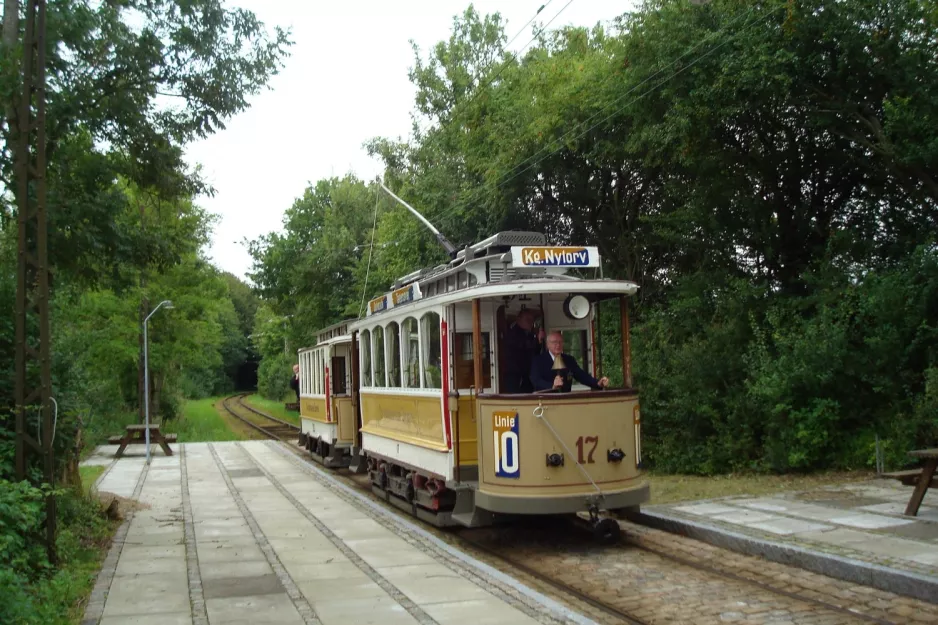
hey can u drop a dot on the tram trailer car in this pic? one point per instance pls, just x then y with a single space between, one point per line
436 432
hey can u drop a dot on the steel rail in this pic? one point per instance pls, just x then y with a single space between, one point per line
267 431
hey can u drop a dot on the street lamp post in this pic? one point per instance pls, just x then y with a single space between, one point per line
146 375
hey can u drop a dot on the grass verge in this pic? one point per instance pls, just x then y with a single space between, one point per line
273 408
89 475
200 422
674 488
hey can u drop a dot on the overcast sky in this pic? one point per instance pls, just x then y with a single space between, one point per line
344 83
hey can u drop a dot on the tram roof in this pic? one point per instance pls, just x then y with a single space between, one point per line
505 263
561 285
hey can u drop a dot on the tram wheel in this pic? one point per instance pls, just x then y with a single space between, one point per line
606 530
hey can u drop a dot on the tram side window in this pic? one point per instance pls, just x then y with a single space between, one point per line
463 367
410 339
366 357
316 390
432 356
576 343
380 379
394 355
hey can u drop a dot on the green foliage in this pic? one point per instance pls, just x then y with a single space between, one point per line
765 171
35 593
273 376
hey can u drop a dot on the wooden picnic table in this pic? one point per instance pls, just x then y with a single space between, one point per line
136 435
925 479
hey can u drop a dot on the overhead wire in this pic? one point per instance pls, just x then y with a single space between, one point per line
530 162
479 90
371 249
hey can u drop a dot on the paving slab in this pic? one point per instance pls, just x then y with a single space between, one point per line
850 531
237 533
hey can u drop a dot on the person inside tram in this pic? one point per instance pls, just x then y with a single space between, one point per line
555 371
522 344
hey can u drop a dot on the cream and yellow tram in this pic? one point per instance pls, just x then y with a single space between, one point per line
328 419
440 436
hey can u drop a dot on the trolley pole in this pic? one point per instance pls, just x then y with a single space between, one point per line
33 336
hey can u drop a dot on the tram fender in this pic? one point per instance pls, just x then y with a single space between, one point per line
465 512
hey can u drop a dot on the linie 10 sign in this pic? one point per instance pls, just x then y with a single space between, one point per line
554 256
506 439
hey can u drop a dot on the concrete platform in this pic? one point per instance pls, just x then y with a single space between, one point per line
855 532
248 533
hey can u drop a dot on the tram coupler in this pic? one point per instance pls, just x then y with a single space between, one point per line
604 529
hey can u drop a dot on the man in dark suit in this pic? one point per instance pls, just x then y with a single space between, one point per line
554 370
295 381
522 344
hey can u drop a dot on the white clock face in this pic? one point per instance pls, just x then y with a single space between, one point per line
577 307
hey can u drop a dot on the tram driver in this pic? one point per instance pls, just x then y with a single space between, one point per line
555 371
522 344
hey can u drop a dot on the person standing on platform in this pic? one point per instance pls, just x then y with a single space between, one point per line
295 382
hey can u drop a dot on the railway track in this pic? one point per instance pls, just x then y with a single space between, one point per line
268 425
642 582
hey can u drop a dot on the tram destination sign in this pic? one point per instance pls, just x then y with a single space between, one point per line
378 304
554 256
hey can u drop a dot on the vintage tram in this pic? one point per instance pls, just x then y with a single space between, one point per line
414 392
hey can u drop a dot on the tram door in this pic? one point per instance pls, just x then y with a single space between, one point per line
345 415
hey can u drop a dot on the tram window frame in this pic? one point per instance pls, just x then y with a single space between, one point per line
364 364
576 342
463 363
431 334
410 367
308 372
379 357
316 372
392 336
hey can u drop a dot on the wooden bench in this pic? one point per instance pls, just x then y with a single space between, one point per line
136 435
922 479
294 407
909 477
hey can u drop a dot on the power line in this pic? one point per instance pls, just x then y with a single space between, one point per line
513 57
530 162
371 249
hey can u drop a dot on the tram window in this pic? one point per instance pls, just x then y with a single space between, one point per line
394 355
380 363
432 360
316 373
366 358
462 280
410 339
431 289
450 283
472 280
338 376
576 343
463 367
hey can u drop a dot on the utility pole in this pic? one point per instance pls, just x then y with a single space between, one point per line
33 336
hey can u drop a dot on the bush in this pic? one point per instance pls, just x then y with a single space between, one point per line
274 375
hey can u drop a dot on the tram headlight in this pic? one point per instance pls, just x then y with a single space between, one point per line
576 307
555 460
615 455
